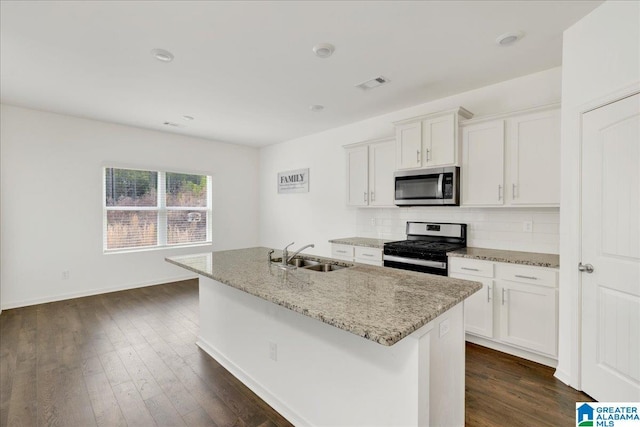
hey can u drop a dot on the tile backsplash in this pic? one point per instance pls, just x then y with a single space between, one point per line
486 227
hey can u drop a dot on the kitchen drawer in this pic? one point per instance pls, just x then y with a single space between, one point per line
342 251
530 275
470 267
368 255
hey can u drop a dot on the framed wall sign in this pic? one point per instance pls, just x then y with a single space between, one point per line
296 181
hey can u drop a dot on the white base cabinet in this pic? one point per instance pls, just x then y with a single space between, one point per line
361 254
517 309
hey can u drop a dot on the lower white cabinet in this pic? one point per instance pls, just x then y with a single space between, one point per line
517 308
361 254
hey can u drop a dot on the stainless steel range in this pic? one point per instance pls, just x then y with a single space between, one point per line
426 247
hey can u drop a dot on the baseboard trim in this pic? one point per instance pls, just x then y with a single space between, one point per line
272 400
564 377
534 357
91 292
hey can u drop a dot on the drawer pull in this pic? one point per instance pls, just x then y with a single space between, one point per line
370 255
526 277
341 252
468 268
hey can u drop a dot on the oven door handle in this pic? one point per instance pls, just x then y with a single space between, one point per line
422 262
440 190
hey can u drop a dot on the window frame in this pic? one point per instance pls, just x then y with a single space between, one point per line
161 209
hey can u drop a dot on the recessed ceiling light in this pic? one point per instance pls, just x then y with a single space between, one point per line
316 108
323 50
188 118
507 39
162 55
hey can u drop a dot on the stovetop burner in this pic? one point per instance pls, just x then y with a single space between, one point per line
426 245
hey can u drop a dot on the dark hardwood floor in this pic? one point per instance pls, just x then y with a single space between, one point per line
129 359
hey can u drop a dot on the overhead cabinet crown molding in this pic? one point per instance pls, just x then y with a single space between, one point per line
430 140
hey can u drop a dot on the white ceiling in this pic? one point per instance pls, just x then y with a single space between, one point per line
245 70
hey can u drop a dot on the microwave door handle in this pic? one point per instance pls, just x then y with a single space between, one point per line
439 191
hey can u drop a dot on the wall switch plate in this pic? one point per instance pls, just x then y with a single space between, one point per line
527 226
273 351
444 327
373 222
65 275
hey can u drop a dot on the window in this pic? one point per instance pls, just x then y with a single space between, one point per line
146 209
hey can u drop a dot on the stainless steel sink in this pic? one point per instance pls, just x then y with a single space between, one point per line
325 267
313 265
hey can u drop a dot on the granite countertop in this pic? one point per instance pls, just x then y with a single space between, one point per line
377 303
512 257
361 241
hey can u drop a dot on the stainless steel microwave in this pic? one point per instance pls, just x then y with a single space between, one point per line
428 187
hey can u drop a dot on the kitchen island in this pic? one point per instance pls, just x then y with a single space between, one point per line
362 345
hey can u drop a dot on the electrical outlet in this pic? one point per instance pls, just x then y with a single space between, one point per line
444 327
527 226
273 351
65 275
373 222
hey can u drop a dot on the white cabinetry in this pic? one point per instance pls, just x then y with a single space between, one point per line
370 167
429 141
512 160
515 312
478 308
361 254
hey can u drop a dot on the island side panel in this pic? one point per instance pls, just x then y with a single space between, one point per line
322 375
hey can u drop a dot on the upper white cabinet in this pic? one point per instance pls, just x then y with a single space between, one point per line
431 140
483 164
370 167
512 160
534 142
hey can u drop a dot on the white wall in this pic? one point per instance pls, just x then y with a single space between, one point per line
601 61
321 214
51 202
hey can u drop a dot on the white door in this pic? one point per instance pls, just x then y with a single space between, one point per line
409 145
382 165
439 141
483 164
528 316
535 159
357 176
611 245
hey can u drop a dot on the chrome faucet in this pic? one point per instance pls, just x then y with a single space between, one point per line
285 253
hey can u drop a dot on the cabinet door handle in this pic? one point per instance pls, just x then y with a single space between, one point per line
373 196
503 289
428 156
365 196
468 268
526 277
488 293
417 156
513 191
499 192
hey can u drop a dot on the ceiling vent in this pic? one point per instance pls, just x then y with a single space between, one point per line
172 124
373 83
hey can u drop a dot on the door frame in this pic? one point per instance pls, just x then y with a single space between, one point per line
569 268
